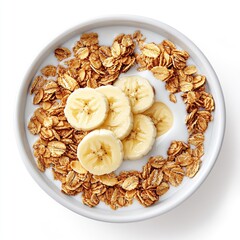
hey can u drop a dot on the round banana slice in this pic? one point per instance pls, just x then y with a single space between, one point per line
162 117
86 109
139 91
100 152
141 139
119 119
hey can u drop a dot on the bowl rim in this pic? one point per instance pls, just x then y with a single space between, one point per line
20 121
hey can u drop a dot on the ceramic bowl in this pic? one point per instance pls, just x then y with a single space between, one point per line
155 31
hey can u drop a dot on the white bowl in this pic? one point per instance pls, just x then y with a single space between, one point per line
109 27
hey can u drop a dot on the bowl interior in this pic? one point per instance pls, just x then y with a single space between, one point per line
154 32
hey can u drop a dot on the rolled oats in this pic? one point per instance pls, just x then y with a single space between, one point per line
67 82
77 167
161 73
154 179
40 164
189 70
62 53
93 65
184 159
49 71
196 139
38 96
162 188
151 50
172 98
34 126
173 173
107 179
130 183
56 148
193 168
116 49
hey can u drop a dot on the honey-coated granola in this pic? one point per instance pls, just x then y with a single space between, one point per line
92 65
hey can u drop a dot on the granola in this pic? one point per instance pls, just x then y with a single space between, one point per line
91 65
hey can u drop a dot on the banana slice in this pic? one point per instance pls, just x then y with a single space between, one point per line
86 109
100 152
141 139
162 117
139 91
119 119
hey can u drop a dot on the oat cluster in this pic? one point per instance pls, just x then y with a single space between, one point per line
92 65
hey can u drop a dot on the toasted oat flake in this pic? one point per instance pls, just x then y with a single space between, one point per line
46 133
77 167
82 53
127 40
208 103
48 122
161 73
199 81
67 82
107 179
196 139
89 39
198 151
186 86
130 194
50 87
56 148
175 174
176 147
184 159
154 179
46 105
49 71
62 53
162 188
40 164
34 126
38 96
151 50
116 49
193 168
157 162
189 70
108 62
172 98
37 84
130 183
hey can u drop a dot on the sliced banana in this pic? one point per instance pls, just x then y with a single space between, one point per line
86 109
162 117
141 139
100 152
139 91
119 119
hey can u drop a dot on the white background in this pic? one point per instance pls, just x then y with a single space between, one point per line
29 213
